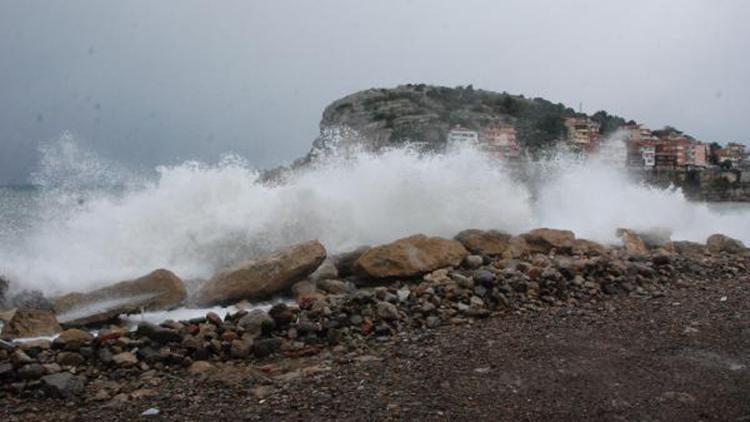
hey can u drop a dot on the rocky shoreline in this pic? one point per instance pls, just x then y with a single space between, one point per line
345 305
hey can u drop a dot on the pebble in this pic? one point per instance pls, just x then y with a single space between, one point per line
473 262
125 359
387 311
150 412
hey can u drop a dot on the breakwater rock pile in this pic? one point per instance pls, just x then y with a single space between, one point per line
341 303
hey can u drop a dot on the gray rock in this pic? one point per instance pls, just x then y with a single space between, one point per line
52 368
484 277
256 323
326 270
70 359
104 355
473 262
383 330
462 281
31 371
19 357
610 289
6 370
158 334
427 308
335 287
387 311
63 385
241 349
281 314
266 346
433 321
476 302
363 296
125 359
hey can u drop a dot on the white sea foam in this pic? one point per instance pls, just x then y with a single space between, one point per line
194 217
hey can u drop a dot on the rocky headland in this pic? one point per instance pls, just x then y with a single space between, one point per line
340 317
422 115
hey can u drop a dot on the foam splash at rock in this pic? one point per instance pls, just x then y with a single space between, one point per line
595 196
194 218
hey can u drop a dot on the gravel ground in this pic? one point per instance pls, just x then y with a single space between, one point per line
683 356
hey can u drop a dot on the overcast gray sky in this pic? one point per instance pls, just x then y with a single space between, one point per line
149 82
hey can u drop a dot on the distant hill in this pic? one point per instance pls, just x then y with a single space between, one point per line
425 113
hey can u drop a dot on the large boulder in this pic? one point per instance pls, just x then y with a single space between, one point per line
481 242
31 323
588 247
717 243
689 248
158 290
545 240
410 256
264 277
632 242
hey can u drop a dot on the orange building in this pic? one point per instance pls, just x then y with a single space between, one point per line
583 133
500 140
676 150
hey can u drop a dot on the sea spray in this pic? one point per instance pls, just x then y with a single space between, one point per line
194 218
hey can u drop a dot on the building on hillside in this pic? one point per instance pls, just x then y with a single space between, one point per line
583 132
641 154
637 133
462 135
640 143
665 155
697 155
500 140
680 151
733 152
648 153
671 151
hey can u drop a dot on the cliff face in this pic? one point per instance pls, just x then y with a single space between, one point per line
713 184
424 114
